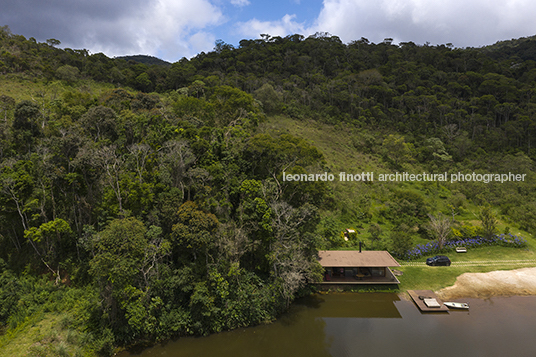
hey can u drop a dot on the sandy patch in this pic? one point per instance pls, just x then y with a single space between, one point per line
495 283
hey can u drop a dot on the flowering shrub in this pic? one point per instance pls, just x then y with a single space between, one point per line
467 231
431 248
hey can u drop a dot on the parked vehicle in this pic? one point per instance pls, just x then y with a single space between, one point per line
438 260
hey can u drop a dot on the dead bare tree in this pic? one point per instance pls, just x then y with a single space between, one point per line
232 242
155 251
290 259
440 226
140 153
175 158
113 164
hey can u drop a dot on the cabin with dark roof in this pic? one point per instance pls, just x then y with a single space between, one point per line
357 267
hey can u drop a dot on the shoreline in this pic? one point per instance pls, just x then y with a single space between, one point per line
518 282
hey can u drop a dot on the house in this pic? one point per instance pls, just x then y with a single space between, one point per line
357 267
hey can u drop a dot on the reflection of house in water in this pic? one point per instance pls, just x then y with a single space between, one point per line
352 305
357 267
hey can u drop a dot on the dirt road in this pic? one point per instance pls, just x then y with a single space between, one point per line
495 283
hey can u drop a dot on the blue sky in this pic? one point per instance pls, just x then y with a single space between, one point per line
276 17
172 29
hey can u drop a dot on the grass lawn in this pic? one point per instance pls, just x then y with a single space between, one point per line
435 278
43 334
425 277
493 253
487 254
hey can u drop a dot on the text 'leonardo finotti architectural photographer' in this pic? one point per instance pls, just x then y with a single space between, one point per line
405 176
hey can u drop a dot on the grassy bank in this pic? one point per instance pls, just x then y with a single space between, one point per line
43 335
426 278
436 278
481 260
491 258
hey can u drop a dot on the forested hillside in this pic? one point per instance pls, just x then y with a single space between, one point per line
143 201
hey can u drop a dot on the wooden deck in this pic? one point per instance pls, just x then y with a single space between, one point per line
388 279
343 280
420 303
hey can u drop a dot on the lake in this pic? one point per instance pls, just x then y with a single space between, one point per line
374 324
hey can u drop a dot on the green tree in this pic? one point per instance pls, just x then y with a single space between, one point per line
196 110
117 268
195 231
53 241
198 88
26 117
100 123
408 207
375 231
401 240
397 150
68 73
232 104
6 105
144 83
488 220
16 201
270 157
271 99
53 42
434 150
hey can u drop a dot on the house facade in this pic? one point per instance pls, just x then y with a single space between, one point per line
357 267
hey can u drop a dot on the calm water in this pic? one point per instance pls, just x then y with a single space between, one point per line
375 324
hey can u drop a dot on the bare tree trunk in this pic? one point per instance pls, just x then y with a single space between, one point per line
440 225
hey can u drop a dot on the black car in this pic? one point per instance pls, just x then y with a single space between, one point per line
438 260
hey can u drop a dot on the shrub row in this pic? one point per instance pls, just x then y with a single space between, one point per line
431 248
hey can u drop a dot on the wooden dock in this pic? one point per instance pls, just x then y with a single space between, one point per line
416 294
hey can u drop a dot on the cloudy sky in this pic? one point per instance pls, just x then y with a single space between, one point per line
172 29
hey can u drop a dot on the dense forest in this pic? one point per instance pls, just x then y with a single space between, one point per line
146 199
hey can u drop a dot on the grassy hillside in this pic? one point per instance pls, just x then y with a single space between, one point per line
344 150
352 149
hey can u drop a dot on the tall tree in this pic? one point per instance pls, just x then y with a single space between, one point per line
488 221
440 225
195 231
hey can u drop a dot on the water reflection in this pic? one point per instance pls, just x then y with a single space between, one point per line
375 324
351 305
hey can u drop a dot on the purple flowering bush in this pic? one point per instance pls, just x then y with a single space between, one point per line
432 248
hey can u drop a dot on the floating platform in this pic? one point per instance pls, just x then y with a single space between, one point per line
427 301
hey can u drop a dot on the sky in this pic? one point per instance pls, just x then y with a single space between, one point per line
173 29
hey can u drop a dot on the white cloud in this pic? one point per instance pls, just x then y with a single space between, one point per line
173 27
240 3
202 41
461 22
170 28
253 28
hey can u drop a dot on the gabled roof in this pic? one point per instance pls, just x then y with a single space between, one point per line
354 258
